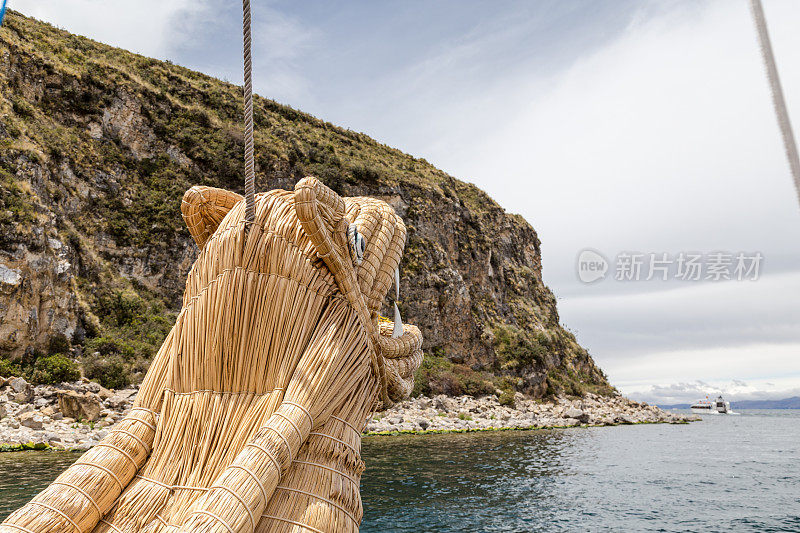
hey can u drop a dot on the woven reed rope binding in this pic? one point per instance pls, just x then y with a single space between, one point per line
294 523
111 526
19 528
273 363
317 465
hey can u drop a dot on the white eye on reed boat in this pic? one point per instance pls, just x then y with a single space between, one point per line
357 244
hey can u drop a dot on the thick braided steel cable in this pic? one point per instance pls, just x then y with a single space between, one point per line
249 163
778 100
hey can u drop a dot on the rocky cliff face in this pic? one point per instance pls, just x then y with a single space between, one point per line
97 146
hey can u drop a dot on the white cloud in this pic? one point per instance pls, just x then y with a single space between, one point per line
278 42
742 332
624 326
664 139
735 390
759 363
148 27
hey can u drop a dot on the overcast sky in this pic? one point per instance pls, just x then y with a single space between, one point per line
621 127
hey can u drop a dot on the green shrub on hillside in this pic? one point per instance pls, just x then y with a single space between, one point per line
561 380
517 349
15 204
120 307
8 368
507 398
132 325
110 372
54 369
106 346
21 107
365 172
439 375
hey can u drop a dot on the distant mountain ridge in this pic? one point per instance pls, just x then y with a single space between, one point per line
786 403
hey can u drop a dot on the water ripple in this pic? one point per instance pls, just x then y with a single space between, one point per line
724 474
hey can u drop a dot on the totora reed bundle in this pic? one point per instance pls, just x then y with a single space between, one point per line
250 416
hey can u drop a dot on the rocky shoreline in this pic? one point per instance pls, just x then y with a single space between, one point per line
465 413
68 416
77 415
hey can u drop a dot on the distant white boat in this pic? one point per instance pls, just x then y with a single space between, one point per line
715 407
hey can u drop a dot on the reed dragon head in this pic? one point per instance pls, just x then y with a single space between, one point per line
358 240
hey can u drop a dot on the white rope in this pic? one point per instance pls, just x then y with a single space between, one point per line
255 478
337 440
308 463
154 482
50 507
218 519
348 424
320 498
189 487
299 524
136 438
120 450
778 100
307 413
240 500
154 413
112 526
171 488
145 422
285 441
104 469
226 392
291 423
249 162
83 493
26 530
266 452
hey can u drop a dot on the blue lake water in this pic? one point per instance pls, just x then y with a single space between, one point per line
725 474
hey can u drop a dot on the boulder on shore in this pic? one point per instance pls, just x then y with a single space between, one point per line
577 414
80 406
21 390
32 420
